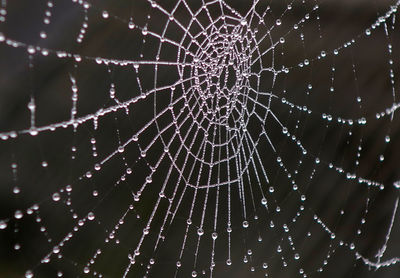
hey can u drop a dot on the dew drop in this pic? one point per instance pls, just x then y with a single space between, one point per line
263 201
28 274
56 197
31 50
105 14
16 190
18 214
91 216
33 132
3 224
130 24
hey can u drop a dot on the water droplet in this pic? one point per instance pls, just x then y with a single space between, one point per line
56 197
263 201
56 249
278 22
28 274
245 224
130 24
16 190
18 214
200 231
33 132
31 49
91 216
3 224
105 14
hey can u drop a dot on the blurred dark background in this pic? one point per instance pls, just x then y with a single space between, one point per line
361 70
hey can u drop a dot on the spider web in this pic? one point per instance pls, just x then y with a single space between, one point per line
199 138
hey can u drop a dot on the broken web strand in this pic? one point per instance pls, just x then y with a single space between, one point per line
239 171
